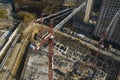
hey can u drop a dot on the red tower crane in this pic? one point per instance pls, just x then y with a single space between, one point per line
50 41
48 37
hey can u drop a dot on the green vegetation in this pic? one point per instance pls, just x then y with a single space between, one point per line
25 16
3 13
47 6
52 6
28 17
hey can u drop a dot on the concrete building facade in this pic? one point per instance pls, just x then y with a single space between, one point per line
88 10
108 10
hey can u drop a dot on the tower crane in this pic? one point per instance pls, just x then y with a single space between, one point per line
105 33
48 37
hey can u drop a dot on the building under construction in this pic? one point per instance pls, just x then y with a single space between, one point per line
73 59
58 53
70 56
108 10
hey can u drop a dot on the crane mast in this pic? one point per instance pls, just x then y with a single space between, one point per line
50 53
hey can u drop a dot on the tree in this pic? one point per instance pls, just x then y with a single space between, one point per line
28 16
47 6
25 16
20 15
52 6
3 13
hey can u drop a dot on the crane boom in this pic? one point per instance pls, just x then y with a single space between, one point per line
61 15
68 17
63 22
54 14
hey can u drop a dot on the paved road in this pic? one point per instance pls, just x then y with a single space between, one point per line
11 62
9 52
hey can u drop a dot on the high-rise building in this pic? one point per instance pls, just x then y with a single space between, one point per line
88 10
108 10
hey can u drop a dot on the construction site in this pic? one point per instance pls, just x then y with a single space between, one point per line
43 51
73 59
